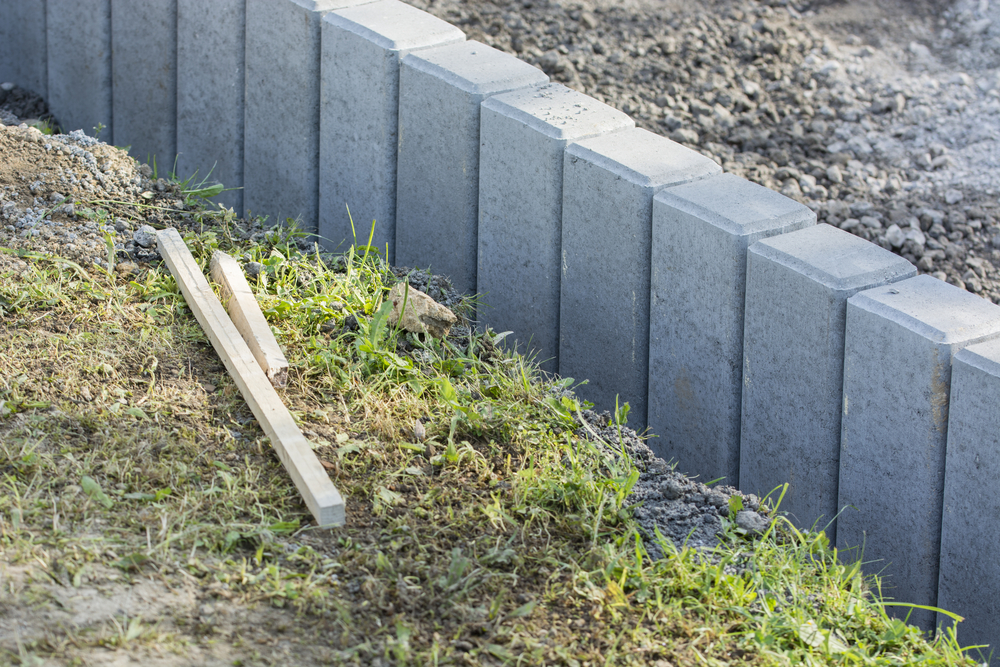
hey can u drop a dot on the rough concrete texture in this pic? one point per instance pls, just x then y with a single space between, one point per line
79 51
608 187
281 129
210 75
793 361
523 136
8 65
437 199
700 236
970 522
359 115
900 340
144 76
23 45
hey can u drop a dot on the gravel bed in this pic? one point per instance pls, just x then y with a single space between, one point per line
884 117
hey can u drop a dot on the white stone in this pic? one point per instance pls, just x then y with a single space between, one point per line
895 236
422 314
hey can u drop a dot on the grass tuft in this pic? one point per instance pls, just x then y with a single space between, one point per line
480 529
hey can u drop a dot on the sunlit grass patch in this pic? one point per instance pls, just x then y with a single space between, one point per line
481 528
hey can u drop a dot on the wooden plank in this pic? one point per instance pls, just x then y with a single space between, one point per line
312 481
240 302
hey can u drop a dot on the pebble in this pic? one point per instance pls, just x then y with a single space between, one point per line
895 236
145 236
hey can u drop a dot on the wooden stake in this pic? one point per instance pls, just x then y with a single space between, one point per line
239 301
312 481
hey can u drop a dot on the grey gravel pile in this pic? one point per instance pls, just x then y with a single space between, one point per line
891 134
52 211
684 511
18 103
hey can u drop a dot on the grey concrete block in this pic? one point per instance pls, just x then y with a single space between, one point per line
23 52
437 200
970 526
8 63
79 51
701 232
900 340
793 362
210 76
359 115
281 128
523 135
608 187
144 78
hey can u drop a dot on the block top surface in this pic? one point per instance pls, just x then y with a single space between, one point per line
834 258
984 356
932 308
735 205
394 25
327 5
559 112
476 68
644 158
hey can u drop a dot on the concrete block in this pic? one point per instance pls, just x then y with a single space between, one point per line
523 135
210 76
23 52
701 232
281 128
437 199
144 78
793 362
8 63
359 115
608 187
79 51
900 340
970 526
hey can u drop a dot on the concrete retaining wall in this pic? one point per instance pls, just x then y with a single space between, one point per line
757 346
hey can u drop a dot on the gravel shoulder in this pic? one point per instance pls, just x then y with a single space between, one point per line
884 117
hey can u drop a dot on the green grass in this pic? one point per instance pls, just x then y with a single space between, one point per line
498 537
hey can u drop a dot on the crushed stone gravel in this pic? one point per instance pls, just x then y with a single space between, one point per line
883 116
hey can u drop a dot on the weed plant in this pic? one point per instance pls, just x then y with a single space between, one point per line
481 528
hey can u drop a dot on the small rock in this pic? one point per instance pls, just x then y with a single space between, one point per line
972 282
895 236
751 522
716 499
914 234
127 268
145 236
953 196
791 188
834 174
871 222
422 315
253 269
684 135
671 488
